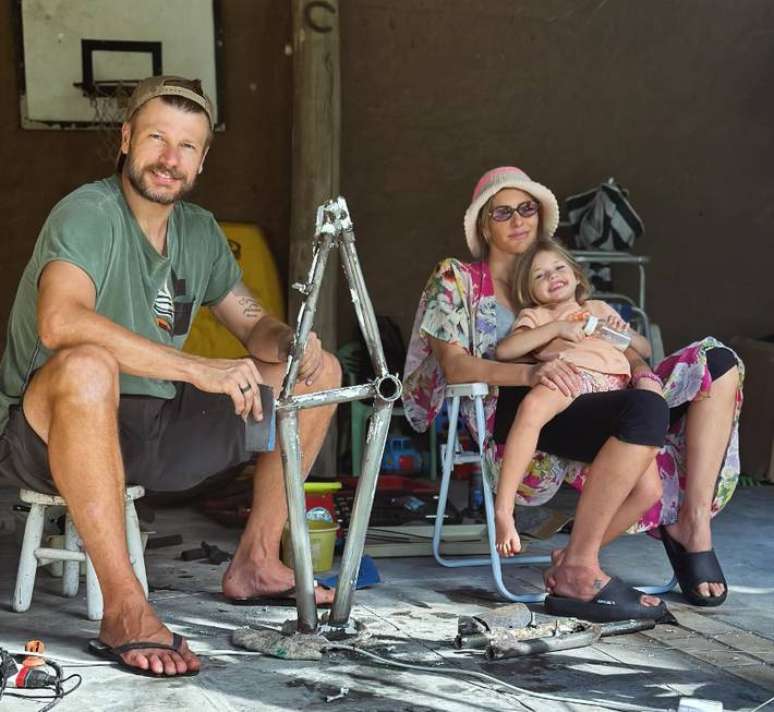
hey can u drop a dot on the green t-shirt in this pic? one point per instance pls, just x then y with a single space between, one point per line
152 295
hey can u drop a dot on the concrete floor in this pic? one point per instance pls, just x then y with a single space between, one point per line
724 654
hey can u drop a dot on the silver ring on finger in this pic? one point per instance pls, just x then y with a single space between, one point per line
245 389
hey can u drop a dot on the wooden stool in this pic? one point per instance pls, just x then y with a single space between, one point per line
33 555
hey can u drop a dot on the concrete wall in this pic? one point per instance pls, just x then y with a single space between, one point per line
672 97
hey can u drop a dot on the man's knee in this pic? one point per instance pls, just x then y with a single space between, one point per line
87 372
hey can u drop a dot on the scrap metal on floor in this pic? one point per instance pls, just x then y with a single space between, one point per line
412 617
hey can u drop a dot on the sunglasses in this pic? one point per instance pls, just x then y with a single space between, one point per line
502 213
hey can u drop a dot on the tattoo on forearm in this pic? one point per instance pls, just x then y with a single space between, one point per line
250 307
598 584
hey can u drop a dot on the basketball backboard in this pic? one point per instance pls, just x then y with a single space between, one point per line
76 55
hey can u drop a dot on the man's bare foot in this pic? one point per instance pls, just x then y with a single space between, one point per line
246 578
508 542
583 583
694 534
134 620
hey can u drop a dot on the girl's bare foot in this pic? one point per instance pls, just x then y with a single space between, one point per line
507 538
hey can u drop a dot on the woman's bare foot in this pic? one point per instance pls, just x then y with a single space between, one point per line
692 531
508 542
246 578
134 620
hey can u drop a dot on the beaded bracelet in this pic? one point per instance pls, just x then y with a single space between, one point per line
649 375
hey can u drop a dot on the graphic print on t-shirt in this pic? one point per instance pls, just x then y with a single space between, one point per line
164 308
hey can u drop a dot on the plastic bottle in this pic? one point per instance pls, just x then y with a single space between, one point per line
595 327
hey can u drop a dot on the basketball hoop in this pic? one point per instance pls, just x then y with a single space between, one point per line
108 100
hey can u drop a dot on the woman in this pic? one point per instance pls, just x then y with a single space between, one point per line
466 308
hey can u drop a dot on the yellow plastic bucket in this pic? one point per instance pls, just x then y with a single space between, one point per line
322 539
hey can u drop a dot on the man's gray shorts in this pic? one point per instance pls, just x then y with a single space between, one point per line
167 445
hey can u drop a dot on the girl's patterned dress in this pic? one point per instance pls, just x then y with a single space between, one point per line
458 306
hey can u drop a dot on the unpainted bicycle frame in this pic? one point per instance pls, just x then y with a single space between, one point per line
333 229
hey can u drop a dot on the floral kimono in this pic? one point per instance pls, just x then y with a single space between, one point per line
458 307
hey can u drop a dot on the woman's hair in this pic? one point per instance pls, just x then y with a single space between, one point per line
483 218
521 282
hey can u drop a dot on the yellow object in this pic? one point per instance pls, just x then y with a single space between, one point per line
259 273
322 539
322 487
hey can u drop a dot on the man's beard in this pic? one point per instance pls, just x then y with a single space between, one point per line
136 178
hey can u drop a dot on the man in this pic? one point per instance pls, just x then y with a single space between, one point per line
95 393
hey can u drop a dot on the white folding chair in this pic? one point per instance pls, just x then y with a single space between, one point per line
450 457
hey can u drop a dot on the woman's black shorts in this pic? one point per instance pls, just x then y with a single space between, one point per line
578 433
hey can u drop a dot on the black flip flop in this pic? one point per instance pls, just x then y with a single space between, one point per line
615 602
693 568
104 651
286 598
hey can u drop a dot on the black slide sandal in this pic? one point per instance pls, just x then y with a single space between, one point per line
692 569
615 602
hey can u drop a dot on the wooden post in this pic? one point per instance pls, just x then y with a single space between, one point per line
315 165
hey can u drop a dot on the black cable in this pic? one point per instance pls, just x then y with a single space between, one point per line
8 669
56 698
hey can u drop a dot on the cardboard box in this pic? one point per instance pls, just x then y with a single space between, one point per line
756 428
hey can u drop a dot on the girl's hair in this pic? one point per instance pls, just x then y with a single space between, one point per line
521 282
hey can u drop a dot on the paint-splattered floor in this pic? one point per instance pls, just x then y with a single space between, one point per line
724 654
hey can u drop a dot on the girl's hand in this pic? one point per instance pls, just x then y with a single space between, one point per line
571 330
615 322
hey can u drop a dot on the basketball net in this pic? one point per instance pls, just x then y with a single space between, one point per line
108 101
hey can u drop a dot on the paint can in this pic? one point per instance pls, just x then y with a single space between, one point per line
322 541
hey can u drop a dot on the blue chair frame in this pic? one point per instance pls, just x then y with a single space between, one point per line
449 457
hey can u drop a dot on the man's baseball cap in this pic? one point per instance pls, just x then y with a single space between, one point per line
166 85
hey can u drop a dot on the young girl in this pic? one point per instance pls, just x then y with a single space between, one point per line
553 287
